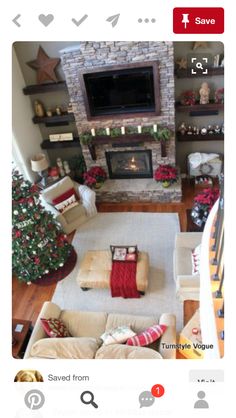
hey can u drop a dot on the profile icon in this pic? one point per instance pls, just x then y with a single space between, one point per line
28 376
201 403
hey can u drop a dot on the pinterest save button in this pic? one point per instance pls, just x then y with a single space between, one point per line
198 20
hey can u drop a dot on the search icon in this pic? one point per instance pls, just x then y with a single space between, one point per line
87 398
199 65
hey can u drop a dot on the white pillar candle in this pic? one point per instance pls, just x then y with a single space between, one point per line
139 129
108 131
93 132
155 128
122 130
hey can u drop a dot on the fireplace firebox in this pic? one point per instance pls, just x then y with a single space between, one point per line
129 164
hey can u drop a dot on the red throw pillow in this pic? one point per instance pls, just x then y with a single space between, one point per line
148 336
54 328
66 200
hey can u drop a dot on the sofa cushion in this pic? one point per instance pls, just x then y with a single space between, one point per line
84 324
117 335
66 201
57 189
54 328
66 348
120 351
183 264
137 323
149 336
74 213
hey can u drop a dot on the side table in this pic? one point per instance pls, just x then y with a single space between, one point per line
21 331
191 226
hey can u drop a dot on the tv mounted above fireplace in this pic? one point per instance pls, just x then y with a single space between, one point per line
122 91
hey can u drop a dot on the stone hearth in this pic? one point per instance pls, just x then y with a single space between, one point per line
145 190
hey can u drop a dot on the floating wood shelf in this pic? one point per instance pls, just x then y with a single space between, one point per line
191 138
125 139
47 144
55 120
200 109
44 88
185 73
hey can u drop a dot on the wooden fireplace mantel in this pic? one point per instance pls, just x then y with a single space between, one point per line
131 140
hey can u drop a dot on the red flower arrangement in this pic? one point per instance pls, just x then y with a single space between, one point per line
94 175
207 198
166 173
188 98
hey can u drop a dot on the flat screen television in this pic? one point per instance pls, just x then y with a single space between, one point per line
126 90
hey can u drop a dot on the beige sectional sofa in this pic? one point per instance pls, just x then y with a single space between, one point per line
86 329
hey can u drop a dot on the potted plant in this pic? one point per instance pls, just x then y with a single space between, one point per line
203 203
163 135
95 177
166 174
87 139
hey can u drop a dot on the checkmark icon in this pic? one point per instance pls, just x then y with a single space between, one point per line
79 22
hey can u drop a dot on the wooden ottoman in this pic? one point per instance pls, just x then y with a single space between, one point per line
96 266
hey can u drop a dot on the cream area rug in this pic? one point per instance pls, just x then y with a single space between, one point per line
152 232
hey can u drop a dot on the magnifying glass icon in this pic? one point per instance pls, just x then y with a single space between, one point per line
199 65
87 398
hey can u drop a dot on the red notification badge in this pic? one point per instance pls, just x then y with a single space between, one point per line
158 391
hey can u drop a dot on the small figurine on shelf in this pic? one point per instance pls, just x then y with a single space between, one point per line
60 166
70 108
182 128
66 167
222 129
189 130
210 129
204 93
217 129
39 109
58 110
195 130
49 113
203 131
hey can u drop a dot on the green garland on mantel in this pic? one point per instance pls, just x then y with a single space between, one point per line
163 133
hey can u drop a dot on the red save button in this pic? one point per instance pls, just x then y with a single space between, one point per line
198 20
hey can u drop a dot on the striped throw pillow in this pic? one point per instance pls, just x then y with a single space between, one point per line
148 336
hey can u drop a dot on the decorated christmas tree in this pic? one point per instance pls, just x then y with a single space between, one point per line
39 244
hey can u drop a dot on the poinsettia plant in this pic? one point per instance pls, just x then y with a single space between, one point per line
166 173
207 198
94 175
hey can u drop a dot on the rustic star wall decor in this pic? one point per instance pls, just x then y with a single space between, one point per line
44 66
199 44
182 63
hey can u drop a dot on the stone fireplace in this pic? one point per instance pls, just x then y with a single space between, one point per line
129 164
90 57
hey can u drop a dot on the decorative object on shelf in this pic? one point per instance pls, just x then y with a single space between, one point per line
217 129
95 177
182 63
40 248
61 137
58 110
222 129
182 128
216 61
163 135
203 130
189 130
199 44
195 130
87 139
166 175
188 98
210 130
108 131
139 129
77 167
204 93
44 66
39 164
60 166
53 173
66 167
39 109
203 203
70 108
49 113
93 133
219 95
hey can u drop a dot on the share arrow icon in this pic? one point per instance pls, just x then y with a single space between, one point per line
113 19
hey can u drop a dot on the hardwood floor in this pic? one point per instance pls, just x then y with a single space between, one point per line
28 300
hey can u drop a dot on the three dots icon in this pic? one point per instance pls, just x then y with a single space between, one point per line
146 20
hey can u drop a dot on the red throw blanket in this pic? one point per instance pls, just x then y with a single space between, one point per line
123 279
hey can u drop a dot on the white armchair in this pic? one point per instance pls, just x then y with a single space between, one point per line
77 215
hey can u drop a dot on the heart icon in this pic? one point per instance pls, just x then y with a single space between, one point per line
46 19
